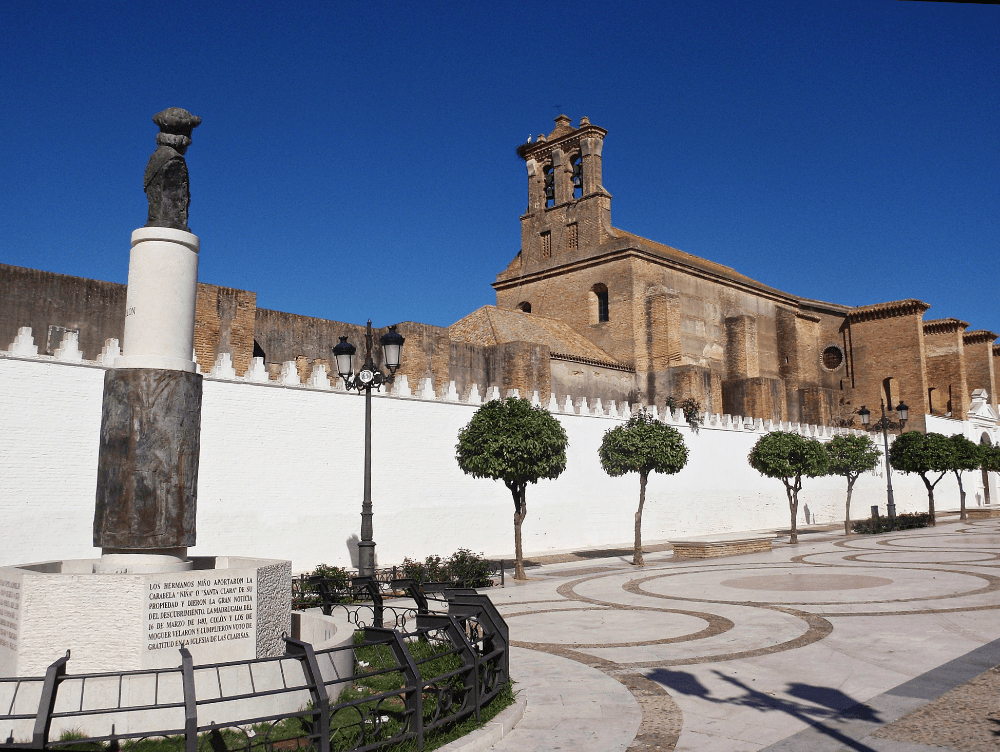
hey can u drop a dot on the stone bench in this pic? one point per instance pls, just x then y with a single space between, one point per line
710 546
982 513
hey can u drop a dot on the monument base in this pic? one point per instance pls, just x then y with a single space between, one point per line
136 562
223 608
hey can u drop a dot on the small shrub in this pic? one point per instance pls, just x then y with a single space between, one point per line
888 524
690 407
462 569
309 596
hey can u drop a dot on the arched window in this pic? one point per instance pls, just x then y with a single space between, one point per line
600 310
577 163
524 307
550 185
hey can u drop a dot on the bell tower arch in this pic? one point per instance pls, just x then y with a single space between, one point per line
569 211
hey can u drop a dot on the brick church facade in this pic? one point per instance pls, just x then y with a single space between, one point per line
588 310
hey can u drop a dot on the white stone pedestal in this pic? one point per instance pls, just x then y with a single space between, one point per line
225 608
160 303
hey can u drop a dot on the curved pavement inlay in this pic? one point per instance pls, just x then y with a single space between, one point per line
748 650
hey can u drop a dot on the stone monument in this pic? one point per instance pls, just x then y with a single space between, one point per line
133 607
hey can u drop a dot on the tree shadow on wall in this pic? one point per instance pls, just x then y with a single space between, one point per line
818 704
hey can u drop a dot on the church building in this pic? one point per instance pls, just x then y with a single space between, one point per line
587 310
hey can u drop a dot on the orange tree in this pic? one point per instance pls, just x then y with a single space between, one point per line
642 445
923 454
850 456
788 457
512 441
968 456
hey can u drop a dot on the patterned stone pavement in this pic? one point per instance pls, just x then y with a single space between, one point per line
879 643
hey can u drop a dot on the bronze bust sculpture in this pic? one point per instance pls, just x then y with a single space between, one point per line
166 179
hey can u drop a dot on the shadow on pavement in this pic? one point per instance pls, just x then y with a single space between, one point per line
836 703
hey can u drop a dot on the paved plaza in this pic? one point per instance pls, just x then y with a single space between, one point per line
885 643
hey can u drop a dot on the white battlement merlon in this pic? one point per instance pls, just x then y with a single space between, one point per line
583 408
318 377
567 406
223 367
69 348
257 372
492 393
109 353
425 388
515 393
289 374
400 387
475 398
452 394
24 343
536 401
553 403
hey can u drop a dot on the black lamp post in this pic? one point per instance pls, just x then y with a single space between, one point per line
369 377
885 424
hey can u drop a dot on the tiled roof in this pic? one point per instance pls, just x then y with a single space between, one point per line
888 310
944 326
490 325
979 336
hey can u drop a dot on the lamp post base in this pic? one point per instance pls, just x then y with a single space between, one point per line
366 558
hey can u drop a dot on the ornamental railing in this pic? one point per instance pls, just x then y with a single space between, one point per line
390 686
310 590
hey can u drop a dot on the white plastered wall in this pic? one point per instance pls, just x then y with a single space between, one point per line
281 477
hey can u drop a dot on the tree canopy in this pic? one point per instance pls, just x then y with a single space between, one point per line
923 454
642 445
511 441
789 457
850 456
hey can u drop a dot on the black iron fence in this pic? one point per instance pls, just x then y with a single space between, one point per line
388 687
309 590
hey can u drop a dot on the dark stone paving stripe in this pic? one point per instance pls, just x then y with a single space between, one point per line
847 731
716 625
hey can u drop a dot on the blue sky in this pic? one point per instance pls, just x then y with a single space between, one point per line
358 159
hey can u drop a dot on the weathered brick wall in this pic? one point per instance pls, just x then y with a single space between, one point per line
945 358
887 341
525 367
42 299
224 321
979 368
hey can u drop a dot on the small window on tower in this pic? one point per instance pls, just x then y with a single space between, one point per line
600 295
546 245
572 237
577 176
524 307
550 185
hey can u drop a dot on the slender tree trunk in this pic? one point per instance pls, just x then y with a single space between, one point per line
930 498
637 552
793 507
961 493
520 509
847 516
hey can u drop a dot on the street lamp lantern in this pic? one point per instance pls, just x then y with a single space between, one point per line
370 376
864 412
903 411
392 348
343 352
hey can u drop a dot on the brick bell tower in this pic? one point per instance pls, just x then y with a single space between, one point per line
568 207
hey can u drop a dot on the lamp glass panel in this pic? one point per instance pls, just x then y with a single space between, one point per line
391 351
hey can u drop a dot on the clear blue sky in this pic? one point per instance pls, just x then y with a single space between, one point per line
358 159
